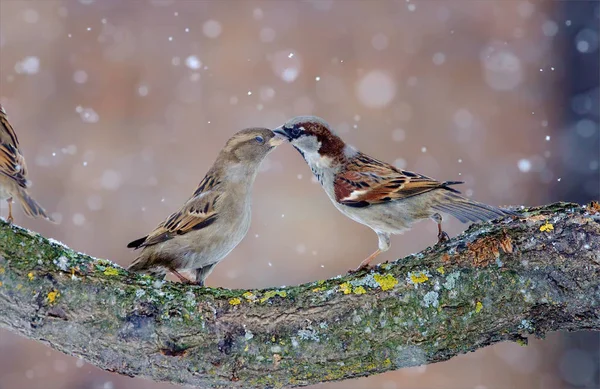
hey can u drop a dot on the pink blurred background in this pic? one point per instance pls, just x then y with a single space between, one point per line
121 107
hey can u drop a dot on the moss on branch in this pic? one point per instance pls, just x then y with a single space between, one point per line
498 281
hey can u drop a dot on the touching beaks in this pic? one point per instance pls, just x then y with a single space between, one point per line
281 133
276 140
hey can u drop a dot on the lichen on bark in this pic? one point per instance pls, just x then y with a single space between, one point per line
503 280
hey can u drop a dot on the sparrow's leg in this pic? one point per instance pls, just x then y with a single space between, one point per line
442 236
384 245
183 279
202 273
10 216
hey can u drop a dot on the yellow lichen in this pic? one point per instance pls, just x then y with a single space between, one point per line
52 296
547 227
441 270
2 270
359 290
346 288
387 281
30 276
387 362
235 301
111 271
319 289
250 296
19 286
418 278
0 283
478 307
273 293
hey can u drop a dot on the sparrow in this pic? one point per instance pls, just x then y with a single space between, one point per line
13 173
374 193
215 218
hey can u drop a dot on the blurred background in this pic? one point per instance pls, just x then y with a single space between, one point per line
122 106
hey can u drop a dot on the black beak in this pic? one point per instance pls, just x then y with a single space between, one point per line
282 133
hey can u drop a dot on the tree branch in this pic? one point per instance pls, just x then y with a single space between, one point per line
498 281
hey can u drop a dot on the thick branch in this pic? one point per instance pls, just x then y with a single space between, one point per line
498 281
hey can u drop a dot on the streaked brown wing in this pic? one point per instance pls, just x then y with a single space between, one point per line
367 181
12 164
199 212
7 133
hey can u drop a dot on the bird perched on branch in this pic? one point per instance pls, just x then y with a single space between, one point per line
13 173
374 193
215 219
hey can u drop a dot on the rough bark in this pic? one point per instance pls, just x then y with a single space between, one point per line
498 281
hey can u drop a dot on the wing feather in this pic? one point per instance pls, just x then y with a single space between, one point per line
198 213
367 181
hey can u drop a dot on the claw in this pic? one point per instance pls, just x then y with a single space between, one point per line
442 237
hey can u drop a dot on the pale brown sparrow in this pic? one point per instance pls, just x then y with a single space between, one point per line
374 193
215 219
13 173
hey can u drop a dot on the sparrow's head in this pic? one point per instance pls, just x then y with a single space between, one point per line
251 145
313 138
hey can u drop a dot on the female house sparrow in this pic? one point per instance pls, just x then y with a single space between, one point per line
13 173
215 219
374 193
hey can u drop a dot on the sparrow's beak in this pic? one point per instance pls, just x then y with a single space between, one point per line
276 140
281 133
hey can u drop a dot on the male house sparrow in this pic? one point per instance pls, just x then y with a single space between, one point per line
13 173
374 193
215 219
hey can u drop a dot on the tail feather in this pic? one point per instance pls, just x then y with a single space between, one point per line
467 210
32 208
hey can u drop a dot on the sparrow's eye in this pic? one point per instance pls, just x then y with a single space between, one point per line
260 139
296 131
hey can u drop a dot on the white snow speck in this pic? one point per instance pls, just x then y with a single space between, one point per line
267 35
524 165
193 62
300 249
29 65
286 65
212 28
257 13
398 135
88 115
400 163
423 149
502 68
80 77
110 180
31 16
439 58
549 28
376 89
380 41
547 137
78 219
143 90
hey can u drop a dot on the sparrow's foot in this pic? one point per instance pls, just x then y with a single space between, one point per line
442 237
10 216
183 279
362 267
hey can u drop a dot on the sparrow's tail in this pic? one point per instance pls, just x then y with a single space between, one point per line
464 209
31 207
140 265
